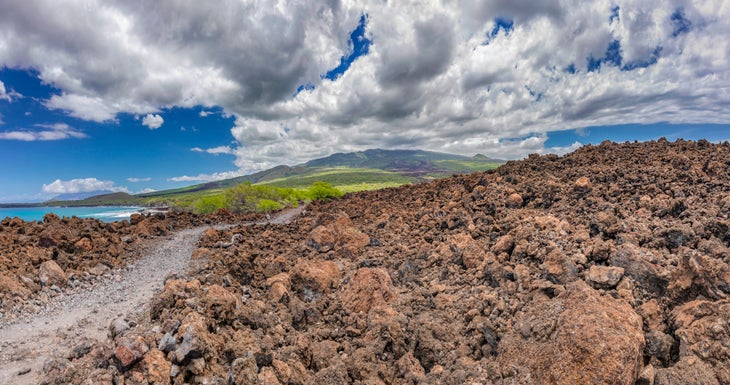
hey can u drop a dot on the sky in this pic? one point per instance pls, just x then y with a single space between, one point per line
134 96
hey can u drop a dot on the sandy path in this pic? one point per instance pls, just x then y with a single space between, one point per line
26 345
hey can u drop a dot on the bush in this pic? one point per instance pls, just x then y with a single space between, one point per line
209 204
323 190
266 205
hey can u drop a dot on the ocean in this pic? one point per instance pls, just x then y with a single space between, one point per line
104 213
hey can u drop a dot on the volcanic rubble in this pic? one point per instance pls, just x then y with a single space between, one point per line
609 265
42 260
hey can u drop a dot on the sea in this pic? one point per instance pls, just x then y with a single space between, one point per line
104 213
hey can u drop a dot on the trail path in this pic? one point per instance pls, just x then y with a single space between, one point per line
26 345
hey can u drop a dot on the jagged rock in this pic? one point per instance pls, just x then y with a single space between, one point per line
659 345
322 238
12 286
647 376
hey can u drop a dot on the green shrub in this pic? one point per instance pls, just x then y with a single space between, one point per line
209 204
266 205
323 190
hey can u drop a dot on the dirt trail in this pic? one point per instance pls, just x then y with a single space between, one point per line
26 345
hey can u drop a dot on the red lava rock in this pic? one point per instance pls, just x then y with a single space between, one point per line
368 288
220 303
703 331
12 287
83 245
322 238
604 277
578 337
156 367
313 279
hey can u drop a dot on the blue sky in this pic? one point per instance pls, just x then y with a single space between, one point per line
125 96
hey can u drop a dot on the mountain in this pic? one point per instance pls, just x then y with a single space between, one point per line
377 167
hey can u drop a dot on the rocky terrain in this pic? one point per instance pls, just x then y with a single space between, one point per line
43 260
609 265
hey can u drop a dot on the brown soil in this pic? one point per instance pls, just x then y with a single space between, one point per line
610 265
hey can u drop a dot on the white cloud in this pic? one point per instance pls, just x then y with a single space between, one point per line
6 95
47 132
153 122
215 150
207 177
204 113
428 80
80 185
137 180
146 190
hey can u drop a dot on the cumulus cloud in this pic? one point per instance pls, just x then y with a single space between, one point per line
137 180
153 122
464 76
45 132
80 185
146 190
207 177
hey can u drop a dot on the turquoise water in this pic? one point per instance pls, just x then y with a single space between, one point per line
104 213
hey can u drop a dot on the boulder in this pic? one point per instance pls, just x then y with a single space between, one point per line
51 274
577 337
